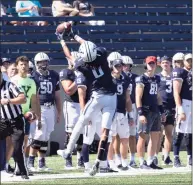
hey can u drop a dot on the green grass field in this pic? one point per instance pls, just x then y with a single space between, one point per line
57 164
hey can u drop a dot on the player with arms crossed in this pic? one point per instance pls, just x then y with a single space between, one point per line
182 89
149 107
127 68
47 82
103 97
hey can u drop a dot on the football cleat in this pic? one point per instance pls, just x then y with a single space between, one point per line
177 162
168 161
144 166
107 170
155 167
94 169
132 164
155 160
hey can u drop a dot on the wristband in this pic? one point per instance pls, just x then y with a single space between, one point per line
161 110
180 110
140 111
62 42
77 38
130 115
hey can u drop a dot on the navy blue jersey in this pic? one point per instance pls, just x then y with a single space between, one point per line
166 91
149 98
132 85
99 74
67 74
186 77
82 81
122 85
47 86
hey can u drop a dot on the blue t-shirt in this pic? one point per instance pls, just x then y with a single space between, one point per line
25 4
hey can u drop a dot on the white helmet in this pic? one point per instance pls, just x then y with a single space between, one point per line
31 65
113 56
88 51
41 57
187 56
127 60
176 57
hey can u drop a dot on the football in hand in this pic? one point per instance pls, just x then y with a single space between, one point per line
30 116
63 27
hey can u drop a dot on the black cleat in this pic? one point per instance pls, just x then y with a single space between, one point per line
155 167
9 169
177 162
107 170
24 177
168 161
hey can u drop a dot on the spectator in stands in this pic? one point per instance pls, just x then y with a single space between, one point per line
29 8
86 10
5 64
4 13
61 8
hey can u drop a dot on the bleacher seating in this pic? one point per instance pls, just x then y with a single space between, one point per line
135 28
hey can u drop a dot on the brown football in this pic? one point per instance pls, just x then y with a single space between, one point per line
65 26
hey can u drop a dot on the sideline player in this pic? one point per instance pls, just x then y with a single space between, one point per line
182 89
166 93
121 123
47 82
149 106
127 68
71 110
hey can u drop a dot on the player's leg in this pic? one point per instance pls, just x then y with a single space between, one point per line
49 114
160 136
142 137
154 128
108 107
91 108
123 132
17 140
168 143
132 138
9 153
117 154
188 134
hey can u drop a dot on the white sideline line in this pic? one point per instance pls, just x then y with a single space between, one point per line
136 172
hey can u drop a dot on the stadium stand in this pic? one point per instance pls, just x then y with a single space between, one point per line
135 28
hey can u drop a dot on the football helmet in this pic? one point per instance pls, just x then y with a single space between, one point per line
6 60
176 57
88 51
113 56
127 60
188 56
38 61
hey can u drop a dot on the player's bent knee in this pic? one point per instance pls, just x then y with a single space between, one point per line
44 147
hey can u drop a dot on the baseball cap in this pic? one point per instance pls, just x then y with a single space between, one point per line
165 58
6 59
150 59
188 56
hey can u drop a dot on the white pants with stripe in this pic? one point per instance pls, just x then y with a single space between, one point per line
97 103
185 126
133 128
71 112
48 122
93 127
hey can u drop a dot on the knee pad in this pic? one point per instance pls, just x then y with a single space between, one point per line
178 139
44 147
80 140
35 144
